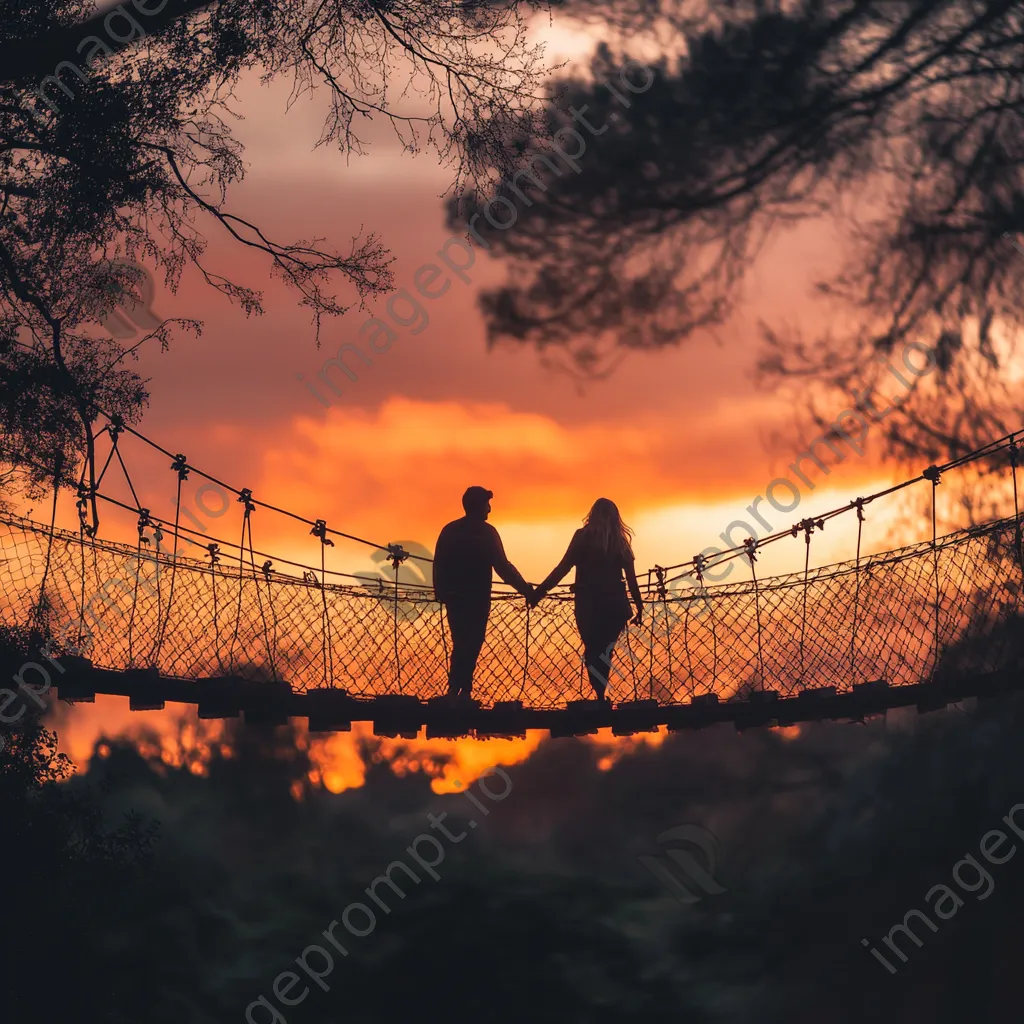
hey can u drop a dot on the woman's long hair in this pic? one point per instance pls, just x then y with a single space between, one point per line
605 529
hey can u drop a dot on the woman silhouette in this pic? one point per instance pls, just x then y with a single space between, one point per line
601 552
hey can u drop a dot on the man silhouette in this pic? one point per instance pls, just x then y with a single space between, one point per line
466 552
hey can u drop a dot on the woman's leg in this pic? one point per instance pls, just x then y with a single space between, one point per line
597 653
599 626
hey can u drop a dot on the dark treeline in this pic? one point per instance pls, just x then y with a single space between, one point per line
543 912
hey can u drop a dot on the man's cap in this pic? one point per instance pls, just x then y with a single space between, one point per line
476 496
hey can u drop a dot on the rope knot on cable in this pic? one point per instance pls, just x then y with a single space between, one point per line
144 521
245 497
214 556
1013 451
932 473
808 526
699 565
115 427
662 592
320 530
268 568
859 506
396 555
180 466
751 545
82 504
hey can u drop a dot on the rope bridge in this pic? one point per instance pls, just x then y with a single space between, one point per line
946 607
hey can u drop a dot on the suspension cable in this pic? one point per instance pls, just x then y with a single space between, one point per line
982 452
122 426
222 544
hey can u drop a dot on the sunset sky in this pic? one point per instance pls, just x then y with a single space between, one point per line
676 438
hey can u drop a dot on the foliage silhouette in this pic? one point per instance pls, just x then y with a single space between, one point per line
826 837
132 159
905 122
64 868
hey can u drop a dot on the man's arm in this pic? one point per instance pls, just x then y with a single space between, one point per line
505 569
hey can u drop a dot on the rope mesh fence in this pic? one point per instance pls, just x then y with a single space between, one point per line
235 619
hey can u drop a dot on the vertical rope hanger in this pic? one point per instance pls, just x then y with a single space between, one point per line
526 663
246 498
807 525
663 597
320 530
143 522
267 568
650 644
859 505
751 545
213 553
241 583
1013 451
83 527
632 664
699 565
444 636
583 663
526 655
180 466
58 466
158 536
686 647
933 474
396 556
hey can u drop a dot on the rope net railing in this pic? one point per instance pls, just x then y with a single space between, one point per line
950 603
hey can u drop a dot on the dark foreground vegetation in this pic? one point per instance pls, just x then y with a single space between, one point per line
139 891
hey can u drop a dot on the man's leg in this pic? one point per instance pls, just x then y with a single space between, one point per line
468 622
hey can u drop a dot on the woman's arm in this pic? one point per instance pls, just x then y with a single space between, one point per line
634 590
555 576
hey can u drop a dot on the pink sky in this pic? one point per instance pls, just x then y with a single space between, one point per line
674 437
